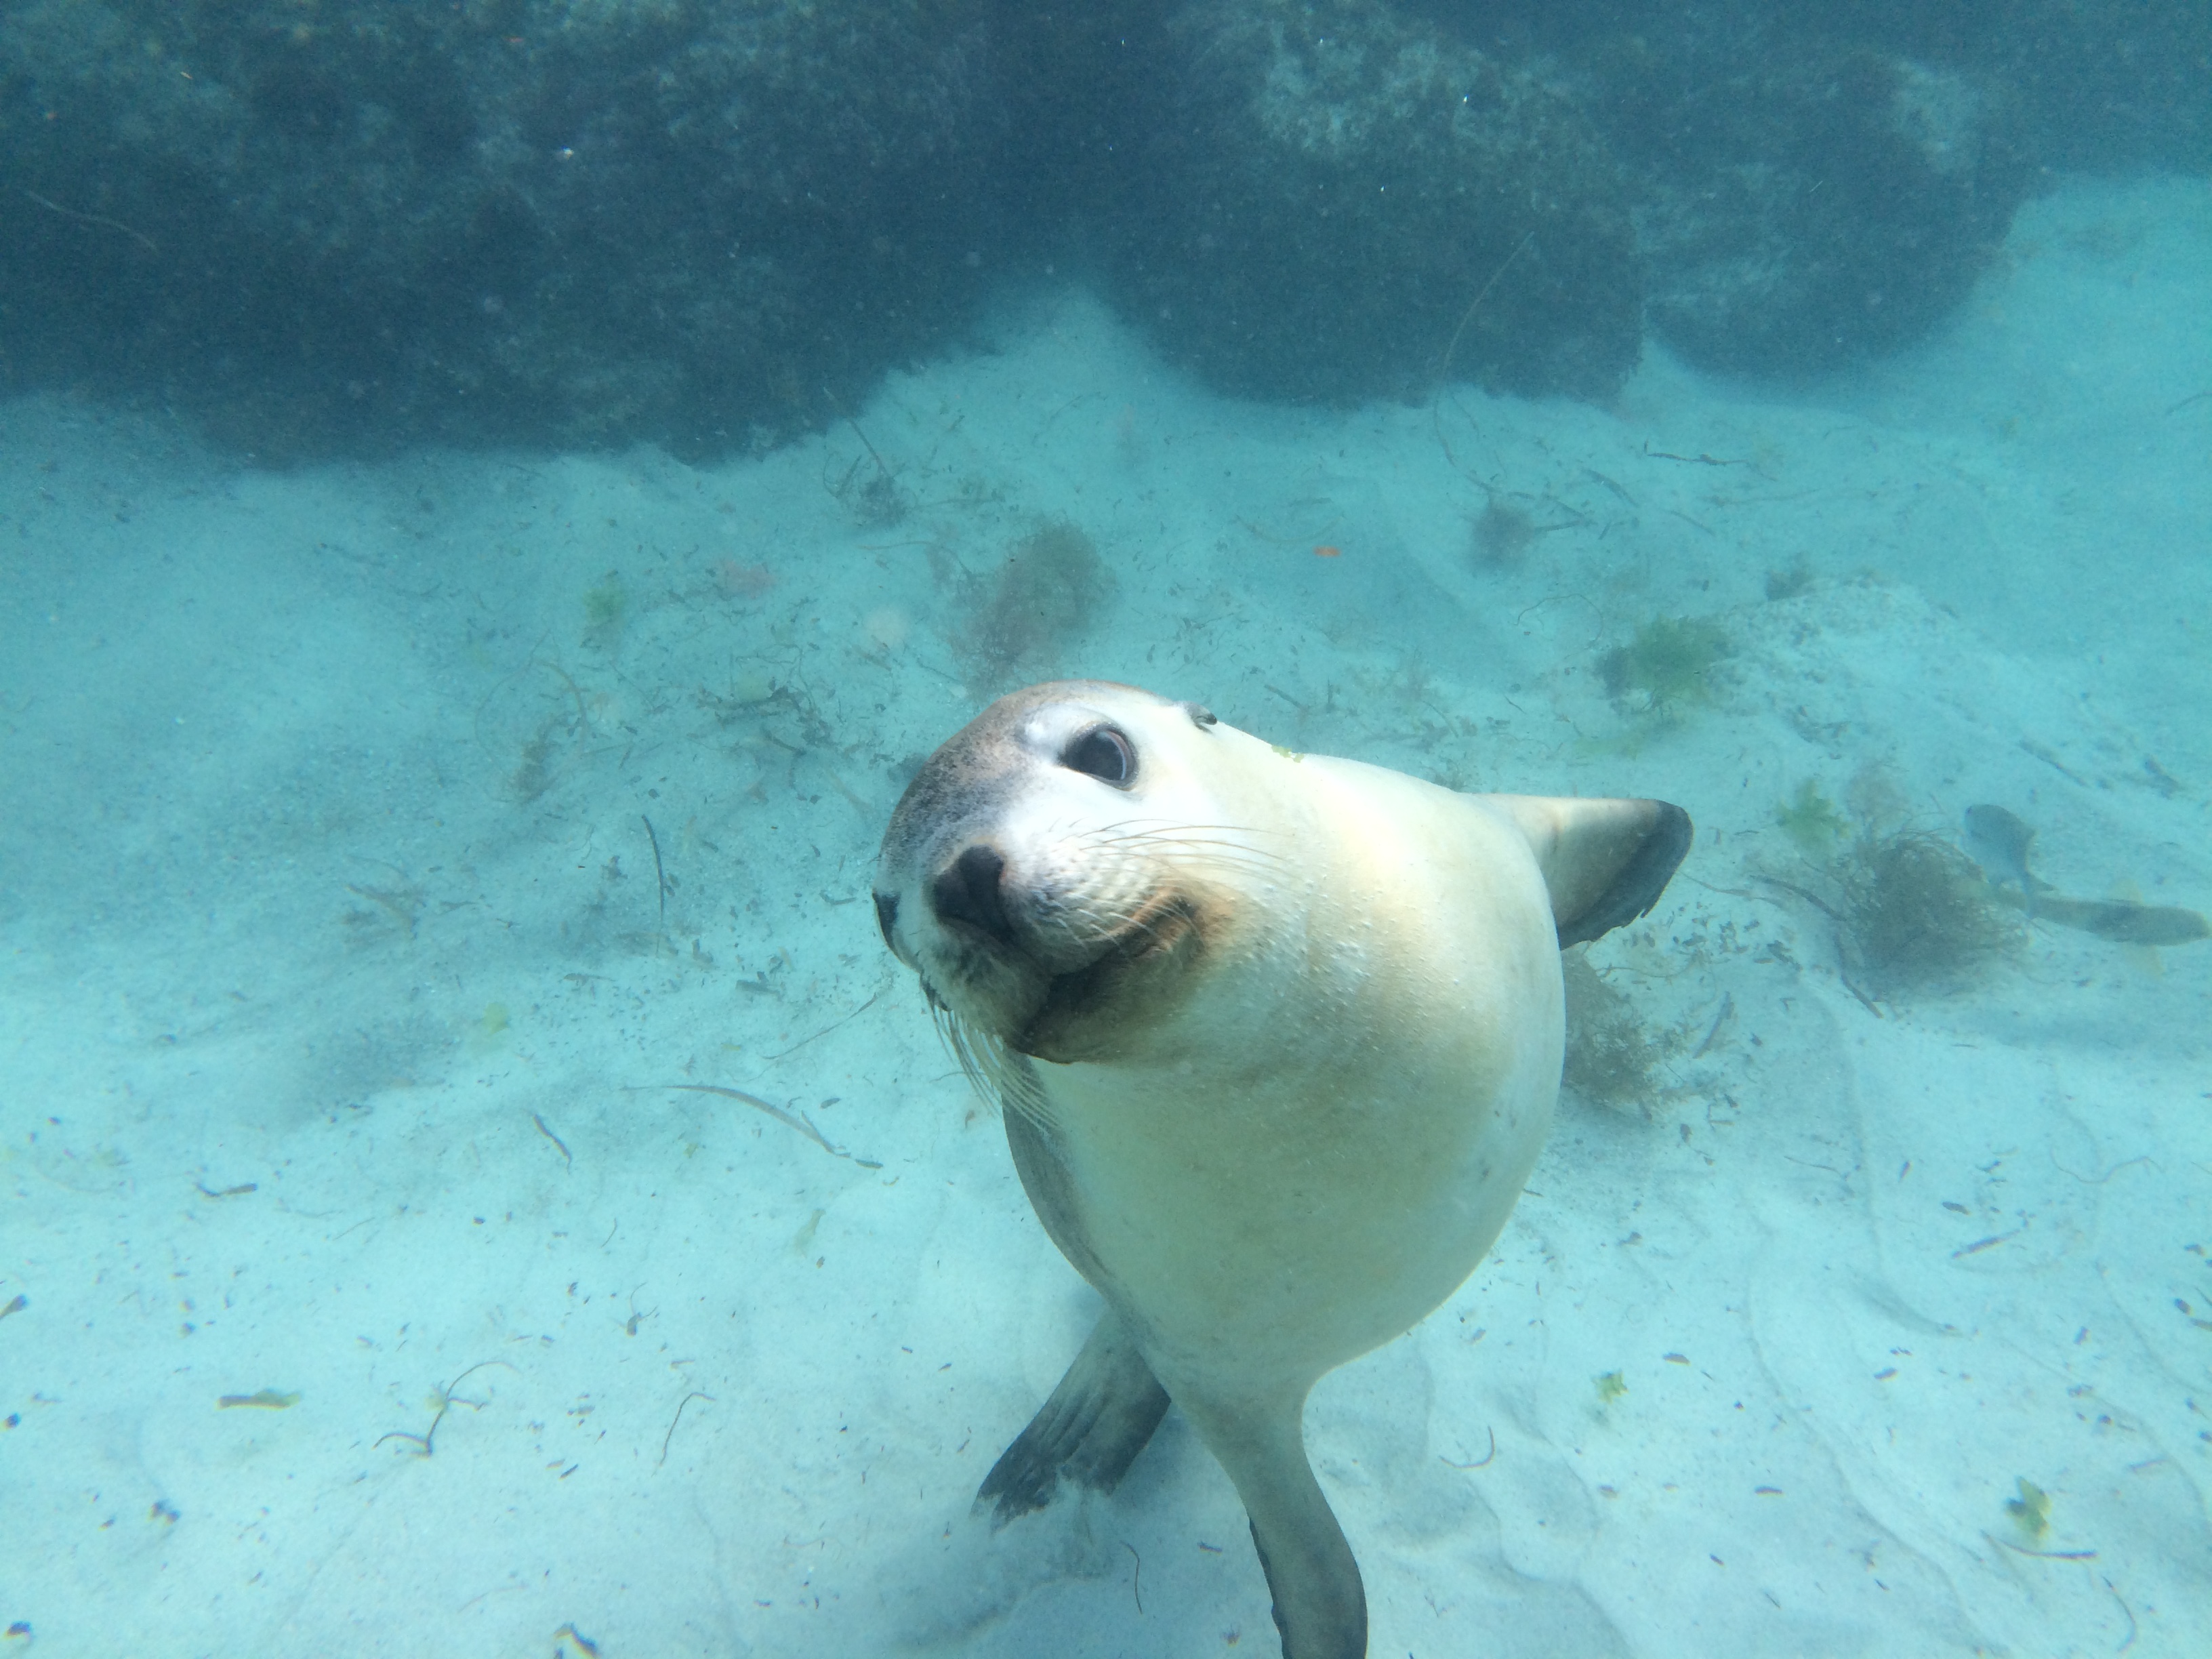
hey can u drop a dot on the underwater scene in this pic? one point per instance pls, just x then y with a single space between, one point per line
804 808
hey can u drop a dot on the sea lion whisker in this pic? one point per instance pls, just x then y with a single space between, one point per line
1176 842
1143 827
1000 1077
1216 846
1175 826
1171 838
1220 863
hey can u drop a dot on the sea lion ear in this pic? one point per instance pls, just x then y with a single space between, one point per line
1605 861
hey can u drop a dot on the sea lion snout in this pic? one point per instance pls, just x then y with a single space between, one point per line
992 923
968 891
1027 910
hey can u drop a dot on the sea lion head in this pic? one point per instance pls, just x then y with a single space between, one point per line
1052 873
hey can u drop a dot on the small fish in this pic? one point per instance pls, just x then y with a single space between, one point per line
1999 842
267 1400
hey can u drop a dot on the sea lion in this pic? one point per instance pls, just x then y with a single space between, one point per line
1277 1038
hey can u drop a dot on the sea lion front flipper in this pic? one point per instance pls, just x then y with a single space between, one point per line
1090 1431
1109 1403
1605 861
1320 1605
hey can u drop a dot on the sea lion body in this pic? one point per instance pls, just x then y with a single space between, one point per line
1375 1057
1278 1036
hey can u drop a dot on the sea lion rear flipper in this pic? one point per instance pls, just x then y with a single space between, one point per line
1320 1605
1090 1431
1605 861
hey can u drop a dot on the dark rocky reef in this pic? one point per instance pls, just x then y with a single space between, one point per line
548 219
1813 203
1816 186
353 224
2097 84
1327 189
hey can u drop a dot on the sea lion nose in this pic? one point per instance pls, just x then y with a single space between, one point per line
967 891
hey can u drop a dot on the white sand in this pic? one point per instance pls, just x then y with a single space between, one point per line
302 982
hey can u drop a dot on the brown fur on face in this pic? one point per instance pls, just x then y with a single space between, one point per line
1087 1014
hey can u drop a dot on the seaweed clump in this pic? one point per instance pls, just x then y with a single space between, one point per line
1612 1055
1787 583
606 608
1500 535
2031 1510
874 499
1916 913
1669 663
1811 820
1046 591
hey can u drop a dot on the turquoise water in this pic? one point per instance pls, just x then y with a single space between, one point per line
402 852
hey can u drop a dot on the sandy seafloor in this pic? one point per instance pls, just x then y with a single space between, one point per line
338 994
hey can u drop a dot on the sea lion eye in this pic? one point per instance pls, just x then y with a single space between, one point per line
1104 754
